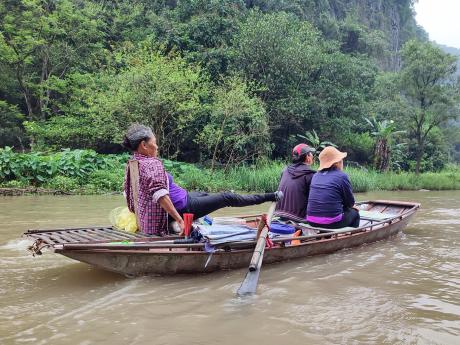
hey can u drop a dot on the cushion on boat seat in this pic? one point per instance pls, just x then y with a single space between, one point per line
375 215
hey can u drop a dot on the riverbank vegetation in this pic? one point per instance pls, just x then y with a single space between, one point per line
86 172
224 84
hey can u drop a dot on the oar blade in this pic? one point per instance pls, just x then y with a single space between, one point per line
249 284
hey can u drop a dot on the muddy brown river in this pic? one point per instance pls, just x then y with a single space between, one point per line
405 290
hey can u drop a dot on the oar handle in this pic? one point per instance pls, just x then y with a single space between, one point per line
260 246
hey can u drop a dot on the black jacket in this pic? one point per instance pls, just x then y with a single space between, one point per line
295 184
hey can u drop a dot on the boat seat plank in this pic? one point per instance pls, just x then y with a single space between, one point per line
377 208
371 215
111 229
57 238
103 234
98 235
82 235
118 234
394 210
85 235
65 237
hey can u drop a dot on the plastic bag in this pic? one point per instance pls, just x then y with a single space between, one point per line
123 219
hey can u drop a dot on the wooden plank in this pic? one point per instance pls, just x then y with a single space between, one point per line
115 233
87 235
393 210
108 235
103 234
98 235
65 237
378 208
45 234
81 237
394 202
34 231
57 238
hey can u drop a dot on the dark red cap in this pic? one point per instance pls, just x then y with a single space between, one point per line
300 150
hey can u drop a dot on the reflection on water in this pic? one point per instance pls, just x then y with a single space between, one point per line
405 290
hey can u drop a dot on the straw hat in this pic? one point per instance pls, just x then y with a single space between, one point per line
330 155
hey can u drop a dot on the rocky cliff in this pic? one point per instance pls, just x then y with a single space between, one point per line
376 27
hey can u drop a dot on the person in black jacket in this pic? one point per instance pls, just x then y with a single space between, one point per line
295 183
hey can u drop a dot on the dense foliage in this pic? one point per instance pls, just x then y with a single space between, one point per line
85 171
226 81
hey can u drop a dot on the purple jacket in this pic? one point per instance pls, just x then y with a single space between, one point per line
330 194
295 184
177 194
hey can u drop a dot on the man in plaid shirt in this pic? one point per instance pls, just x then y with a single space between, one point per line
159 196
154 202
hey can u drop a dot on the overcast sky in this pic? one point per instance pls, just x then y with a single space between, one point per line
441 19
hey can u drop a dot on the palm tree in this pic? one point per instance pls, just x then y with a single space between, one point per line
384 132
312 138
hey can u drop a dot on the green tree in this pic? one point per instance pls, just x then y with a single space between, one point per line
11 131
315 142
237 130
163 93
305 82
384 132
41 41
430 89
202 30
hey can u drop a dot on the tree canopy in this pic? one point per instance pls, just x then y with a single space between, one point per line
229 81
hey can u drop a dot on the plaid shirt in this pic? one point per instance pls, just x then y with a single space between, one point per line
153 184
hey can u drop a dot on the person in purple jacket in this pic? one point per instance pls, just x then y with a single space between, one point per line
295 184
331 203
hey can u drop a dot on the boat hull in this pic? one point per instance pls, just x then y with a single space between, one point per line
169 262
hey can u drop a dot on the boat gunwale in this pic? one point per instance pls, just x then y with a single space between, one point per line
154 249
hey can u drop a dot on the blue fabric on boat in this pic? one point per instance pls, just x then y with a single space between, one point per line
282 229
220 233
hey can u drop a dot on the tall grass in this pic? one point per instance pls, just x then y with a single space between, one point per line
363 181
265 178
86 172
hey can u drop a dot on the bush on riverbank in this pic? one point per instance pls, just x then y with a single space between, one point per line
86 172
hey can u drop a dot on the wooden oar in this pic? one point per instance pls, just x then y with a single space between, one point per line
249 284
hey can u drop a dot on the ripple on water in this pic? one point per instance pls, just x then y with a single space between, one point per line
402 291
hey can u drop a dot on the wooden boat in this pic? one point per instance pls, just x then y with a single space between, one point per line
135 254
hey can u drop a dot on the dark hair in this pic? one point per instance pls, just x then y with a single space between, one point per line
301 158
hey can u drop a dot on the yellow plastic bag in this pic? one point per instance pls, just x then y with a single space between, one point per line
123 219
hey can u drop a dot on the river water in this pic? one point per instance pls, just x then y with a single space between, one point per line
405 290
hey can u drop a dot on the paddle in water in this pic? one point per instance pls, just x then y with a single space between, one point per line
249 284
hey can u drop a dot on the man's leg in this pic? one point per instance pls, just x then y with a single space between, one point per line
201 205
351 218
